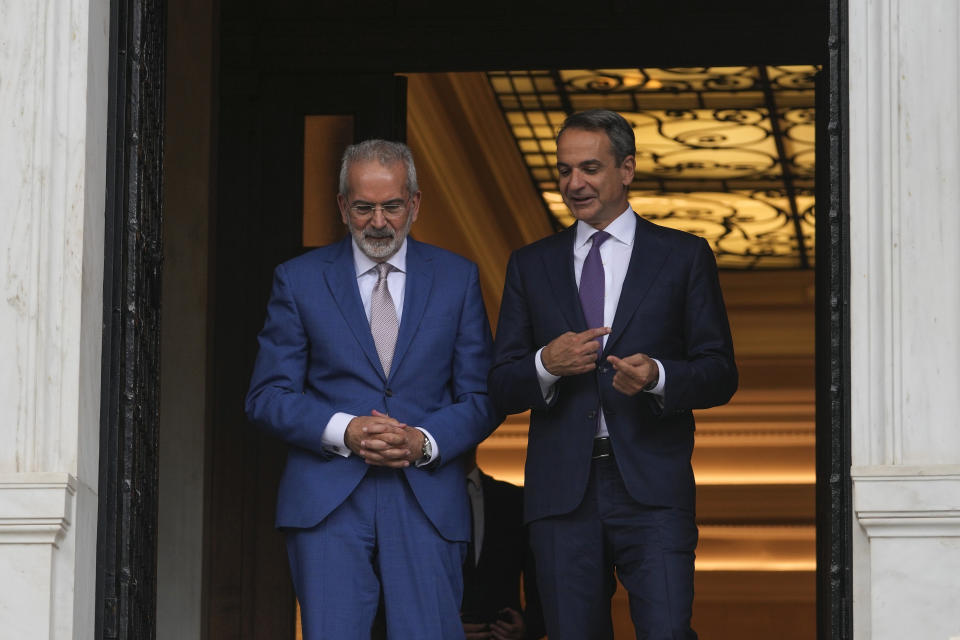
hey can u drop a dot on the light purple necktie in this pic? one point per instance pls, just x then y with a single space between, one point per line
383 318
592 284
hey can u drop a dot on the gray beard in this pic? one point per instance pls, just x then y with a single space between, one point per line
372 244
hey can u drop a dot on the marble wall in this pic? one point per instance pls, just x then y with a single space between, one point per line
53 98
904 131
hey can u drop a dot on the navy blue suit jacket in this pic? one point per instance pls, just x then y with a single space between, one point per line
317 357
671 309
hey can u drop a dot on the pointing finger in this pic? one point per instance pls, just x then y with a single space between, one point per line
593 334
617 363
621 365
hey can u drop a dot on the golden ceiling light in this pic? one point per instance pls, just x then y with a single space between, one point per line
724 152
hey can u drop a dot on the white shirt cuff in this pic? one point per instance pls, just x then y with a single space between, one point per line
661 382
546 379
333 434
434 449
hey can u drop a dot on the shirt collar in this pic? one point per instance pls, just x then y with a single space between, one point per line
363 263
621 229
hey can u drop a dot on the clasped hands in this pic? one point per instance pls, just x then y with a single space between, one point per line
383 441
572 353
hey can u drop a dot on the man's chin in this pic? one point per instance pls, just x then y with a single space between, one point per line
581 210
378 248
587 213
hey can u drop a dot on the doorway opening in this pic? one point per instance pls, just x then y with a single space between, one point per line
257 185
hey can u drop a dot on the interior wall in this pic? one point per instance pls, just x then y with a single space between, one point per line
478 200
184 325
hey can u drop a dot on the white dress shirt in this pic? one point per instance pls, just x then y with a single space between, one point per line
366 270
615 254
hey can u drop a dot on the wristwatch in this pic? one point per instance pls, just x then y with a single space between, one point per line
427 449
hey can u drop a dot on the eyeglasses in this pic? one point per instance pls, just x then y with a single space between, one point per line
393 208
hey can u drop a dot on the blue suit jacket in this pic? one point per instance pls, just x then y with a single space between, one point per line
317 357
671 308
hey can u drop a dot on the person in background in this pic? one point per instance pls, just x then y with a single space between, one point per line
498 560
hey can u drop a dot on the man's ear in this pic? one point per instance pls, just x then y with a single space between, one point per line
628 167
342 203
415 206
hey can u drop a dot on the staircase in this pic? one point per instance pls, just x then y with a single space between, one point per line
754 463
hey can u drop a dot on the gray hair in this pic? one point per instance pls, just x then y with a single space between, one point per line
618 130
386 152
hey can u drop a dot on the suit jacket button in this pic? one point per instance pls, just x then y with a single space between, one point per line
388 393
604 369
591 415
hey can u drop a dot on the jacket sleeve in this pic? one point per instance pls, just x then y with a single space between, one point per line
277 400
707 376
461 425
514 386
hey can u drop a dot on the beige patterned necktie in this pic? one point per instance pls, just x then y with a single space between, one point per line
383 318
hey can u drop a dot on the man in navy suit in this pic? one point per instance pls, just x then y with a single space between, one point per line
372 368
611 332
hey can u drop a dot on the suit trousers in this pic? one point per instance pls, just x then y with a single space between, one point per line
651 548
377 540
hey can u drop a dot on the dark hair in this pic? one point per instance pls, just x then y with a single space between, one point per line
618 130
386 152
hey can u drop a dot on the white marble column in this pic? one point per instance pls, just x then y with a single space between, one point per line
905 316
53 117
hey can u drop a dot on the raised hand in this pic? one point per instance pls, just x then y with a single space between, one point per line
572 353
633 373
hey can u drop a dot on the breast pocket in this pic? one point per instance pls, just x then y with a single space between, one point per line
435 337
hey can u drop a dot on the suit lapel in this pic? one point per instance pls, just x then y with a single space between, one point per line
562 280
647 259
416 293
341 278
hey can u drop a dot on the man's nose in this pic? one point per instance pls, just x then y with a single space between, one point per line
576 180
378 220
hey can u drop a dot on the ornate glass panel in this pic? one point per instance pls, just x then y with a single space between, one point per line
723 152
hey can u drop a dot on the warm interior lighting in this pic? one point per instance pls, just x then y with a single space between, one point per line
756 565
324 139
726 153
747 478
756 548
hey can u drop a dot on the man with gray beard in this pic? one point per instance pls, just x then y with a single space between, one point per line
372 368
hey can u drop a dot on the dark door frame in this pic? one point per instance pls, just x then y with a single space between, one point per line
130 374
834 487
127 523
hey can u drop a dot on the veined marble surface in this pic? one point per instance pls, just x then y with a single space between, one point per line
53 119
904 132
